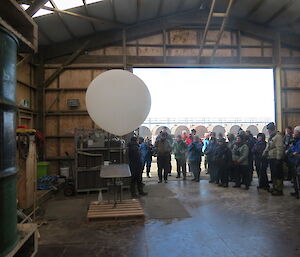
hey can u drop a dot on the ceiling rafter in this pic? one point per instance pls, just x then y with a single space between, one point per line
35 6
220 34
210 15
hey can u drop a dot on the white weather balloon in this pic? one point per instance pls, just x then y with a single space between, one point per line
118 101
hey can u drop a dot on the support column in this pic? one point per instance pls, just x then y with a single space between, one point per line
277 82
8 169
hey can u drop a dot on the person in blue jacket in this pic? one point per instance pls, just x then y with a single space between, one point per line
205 145
194 156
293 154
146 155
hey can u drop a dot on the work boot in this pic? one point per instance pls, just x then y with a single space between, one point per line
277 193
148 172
143 193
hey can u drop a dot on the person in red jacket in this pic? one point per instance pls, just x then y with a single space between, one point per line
190 138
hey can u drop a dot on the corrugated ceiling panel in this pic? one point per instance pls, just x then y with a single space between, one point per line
241 8
169 7
148 9
78 26
102 10
53 27
190 4
126 11
267 10
291 14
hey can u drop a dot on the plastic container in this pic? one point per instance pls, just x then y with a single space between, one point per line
65 171
42 169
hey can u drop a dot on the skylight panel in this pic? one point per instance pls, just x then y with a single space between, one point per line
42 12
92 1
67 4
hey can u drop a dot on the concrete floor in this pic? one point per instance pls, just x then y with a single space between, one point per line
200 219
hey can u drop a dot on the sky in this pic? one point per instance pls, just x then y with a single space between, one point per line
214 93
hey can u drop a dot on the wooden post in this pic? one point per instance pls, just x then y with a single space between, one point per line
124 50
277 82
164 46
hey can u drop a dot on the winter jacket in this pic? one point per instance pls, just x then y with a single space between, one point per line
179 150
168 137
205 145
194 151
146 151
295 148
240 154
223 155
210 151
275 147
163 147
134 156
258 150
287 140
189 140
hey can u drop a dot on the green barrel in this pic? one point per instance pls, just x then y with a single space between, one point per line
8 170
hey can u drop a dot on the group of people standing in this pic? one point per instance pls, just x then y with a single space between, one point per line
234 161
225 161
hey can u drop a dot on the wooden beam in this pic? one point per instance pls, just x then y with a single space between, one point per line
115 60
67 62
164 45
88 18
277 83
24 60
124 50
14 19
220 34
37 4
206 28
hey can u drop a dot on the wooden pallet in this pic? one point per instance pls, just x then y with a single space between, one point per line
126 210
